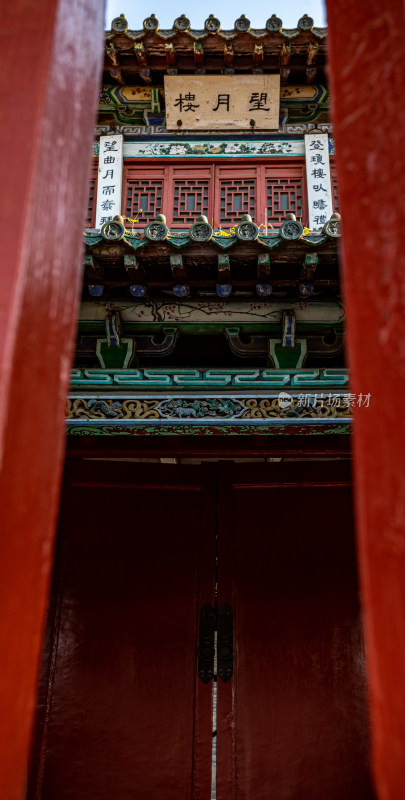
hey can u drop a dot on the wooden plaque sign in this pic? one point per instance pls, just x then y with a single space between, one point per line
222 101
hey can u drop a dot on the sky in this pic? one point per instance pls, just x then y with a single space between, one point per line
227 11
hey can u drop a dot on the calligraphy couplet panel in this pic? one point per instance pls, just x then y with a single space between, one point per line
109 182
222 101
320 207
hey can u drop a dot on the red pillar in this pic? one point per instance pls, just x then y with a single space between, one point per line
51 61
367 75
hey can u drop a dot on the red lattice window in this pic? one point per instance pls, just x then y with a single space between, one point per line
335 192
190 200
143 199
91 204
237 197
283 195
221 192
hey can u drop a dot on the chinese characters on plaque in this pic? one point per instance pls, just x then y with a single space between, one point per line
318 179
222 101
109 180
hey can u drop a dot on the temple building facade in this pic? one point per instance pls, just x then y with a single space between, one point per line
204 634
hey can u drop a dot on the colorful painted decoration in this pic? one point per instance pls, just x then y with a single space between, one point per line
200 148
224 289
195 312
159 409
95 290
252 378
288 329
137 290
181 290
306 289
263 289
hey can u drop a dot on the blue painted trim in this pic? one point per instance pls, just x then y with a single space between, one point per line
203 395
209 422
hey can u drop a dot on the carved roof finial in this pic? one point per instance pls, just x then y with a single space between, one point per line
120 24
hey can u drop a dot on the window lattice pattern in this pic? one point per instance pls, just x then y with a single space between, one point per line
190 200
335 194
283 195
144 200
236 198
90 206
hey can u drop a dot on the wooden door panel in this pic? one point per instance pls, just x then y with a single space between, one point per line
128 716
292 723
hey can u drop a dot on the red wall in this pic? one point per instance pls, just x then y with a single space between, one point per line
367 72
51 61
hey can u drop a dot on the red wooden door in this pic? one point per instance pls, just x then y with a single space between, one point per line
126 716
292 722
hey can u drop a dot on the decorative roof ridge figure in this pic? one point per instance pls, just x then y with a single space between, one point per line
212 25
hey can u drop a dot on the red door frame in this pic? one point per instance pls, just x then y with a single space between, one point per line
367 74
51 65
52 53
